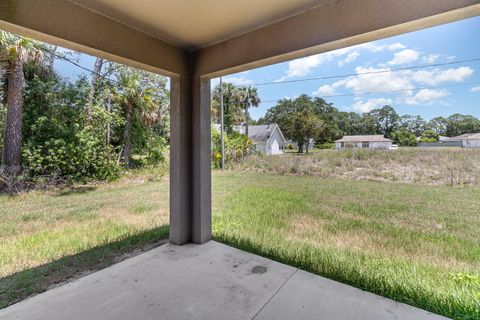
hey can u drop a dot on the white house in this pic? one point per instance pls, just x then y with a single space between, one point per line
267 138
469 140
365 142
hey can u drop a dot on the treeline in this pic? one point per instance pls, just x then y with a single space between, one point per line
56 130
334 124
306 118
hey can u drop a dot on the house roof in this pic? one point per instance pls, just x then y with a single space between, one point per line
197 23
262 133
466 136
365 138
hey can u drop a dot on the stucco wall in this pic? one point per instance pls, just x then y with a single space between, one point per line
471 143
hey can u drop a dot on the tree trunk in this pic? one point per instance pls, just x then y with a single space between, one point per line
246 121
109 127
300 148
91 96
12 138
52 58
127 137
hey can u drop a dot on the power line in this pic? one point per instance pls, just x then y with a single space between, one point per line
363 73
388 91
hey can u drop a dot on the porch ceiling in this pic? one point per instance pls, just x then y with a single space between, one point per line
197 23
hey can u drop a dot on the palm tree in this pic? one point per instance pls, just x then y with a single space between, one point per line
248 97
232 110
136 93
15 52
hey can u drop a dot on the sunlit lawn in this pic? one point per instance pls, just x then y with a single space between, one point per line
414 243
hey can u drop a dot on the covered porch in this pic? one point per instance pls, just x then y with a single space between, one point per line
193 42
209 281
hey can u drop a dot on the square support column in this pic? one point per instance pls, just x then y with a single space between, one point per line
190 166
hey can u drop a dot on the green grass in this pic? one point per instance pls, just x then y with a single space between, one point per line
414 243
50 237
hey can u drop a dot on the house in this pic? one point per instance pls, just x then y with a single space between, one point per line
267 138
365 142
469 140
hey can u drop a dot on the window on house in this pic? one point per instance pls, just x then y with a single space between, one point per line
365 144
342 145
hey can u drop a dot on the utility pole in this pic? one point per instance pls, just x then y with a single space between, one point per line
221 125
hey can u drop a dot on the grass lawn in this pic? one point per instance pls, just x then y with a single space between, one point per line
414 243
50 237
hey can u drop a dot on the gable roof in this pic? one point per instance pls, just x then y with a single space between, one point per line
365 138
466 136
262 133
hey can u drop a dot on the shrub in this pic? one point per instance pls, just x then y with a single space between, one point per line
237 146
155 151
404 138
325 146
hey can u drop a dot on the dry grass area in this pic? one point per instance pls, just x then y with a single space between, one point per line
433 166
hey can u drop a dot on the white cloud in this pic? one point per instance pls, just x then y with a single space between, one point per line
431 58
235 80
396 46
374 81
370 104
304 66
350 58
438 76
404 57
475 89
325 90
238 81
426 96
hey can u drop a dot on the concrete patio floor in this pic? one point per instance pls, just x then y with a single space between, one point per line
209 281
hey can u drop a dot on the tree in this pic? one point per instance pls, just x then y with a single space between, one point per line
232 110
413 124
247 97
139 95
97 68
386 118
458 124
298 119
15 52
404 138
429 136
438 125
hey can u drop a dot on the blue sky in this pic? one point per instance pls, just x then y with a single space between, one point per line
444 90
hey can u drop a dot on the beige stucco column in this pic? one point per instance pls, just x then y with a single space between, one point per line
190 168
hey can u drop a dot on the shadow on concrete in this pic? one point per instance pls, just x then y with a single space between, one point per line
23 284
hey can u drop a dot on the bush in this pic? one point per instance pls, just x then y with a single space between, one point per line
237 146
404 138
155 151
325 146
59 160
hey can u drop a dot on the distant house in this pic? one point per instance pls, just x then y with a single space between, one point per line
365 142
267 138
469 140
